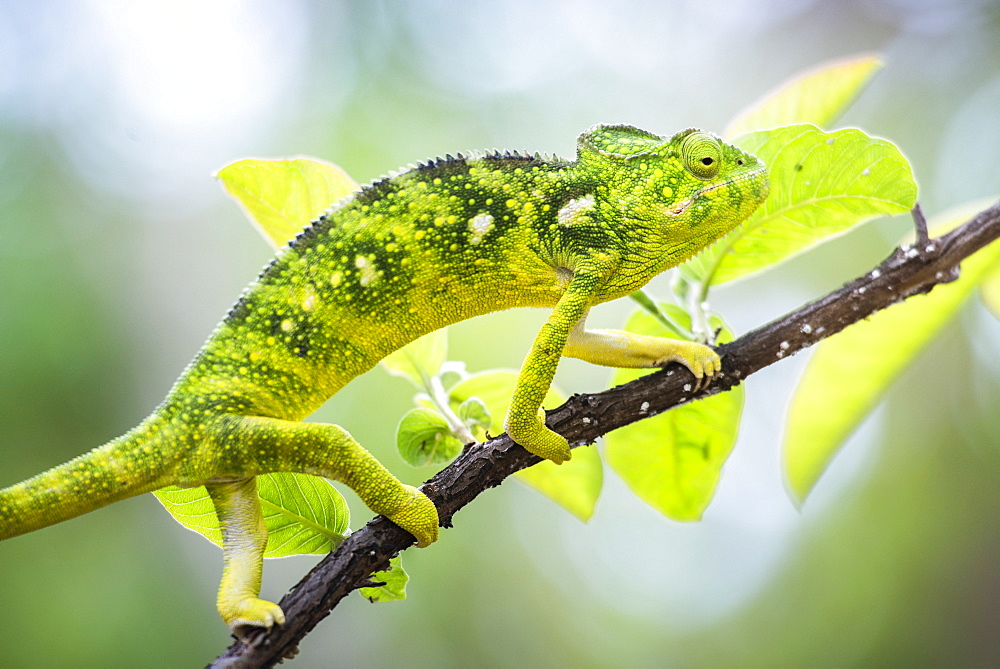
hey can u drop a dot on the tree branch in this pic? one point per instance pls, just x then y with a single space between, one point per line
908 271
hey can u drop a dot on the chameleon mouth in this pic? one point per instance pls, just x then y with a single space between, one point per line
680 207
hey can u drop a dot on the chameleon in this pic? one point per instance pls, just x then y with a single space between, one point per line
436 243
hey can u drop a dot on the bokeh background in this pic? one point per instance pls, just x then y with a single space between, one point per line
119 253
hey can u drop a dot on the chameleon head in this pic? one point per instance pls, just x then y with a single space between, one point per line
677 194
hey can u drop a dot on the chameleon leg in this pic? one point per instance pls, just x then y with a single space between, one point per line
615 348
525 421
329 451
244 537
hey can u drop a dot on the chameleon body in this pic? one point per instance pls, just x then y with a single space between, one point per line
435 244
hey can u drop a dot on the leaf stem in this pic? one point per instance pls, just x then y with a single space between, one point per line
439 397
647 303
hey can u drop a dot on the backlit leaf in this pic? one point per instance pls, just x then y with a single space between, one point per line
822 185
281 197
673 461
304 514
574 485
849 372
394 578
424 438
420 359
818 96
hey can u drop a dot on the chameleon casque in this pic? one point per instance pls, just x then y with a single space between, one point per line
438 243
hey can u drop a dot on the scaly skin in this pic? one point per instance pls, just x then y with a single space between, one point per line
445 241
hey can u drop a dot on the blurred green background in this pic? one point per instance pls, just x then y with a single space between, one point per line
119 253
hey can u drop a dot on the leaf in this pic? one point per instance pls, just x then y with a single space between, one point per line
424 438
849 372
574 485
419 360
673 461
473 412
822 184
281 197
304 514
394 578
819 95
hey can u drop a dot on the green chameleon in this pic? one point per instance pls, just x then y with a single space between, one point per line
438 243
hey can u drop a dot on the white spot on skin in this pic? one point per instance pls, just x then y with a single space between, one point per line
875 274
574 208
784 346
366 270
645 407
480 225
687 387
806 328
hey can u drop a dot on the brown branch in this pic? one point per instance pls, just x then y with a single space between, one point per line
584 418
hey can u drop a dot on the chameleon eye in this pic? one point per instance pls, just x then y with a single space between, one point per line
702 155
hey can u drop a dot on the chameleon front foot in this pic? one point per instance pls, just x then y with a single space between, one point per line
538 439
251 612
418 516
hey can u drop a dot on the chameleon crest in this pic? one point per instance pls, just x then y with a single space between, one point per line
447 240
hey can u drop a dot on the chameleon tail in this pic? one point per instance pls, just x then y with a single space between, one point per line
122 468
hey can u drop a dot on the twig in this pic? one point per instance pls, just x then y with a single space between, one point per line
584 418
920 223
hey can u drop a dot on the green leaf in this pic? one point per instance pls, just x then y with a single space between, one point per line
424 438
849 372
819 96
574 485
281 197
822 184
419 360
394 578
304 514
673 461
473 412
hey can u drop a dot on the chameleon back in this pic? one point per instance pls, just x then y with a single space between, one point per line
441 243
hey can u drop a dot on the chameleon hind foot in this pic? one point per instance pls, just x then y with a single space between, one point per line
417 515
700 359
251 612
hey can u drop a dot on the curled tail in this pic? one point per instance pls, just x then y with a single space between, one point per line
124 467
